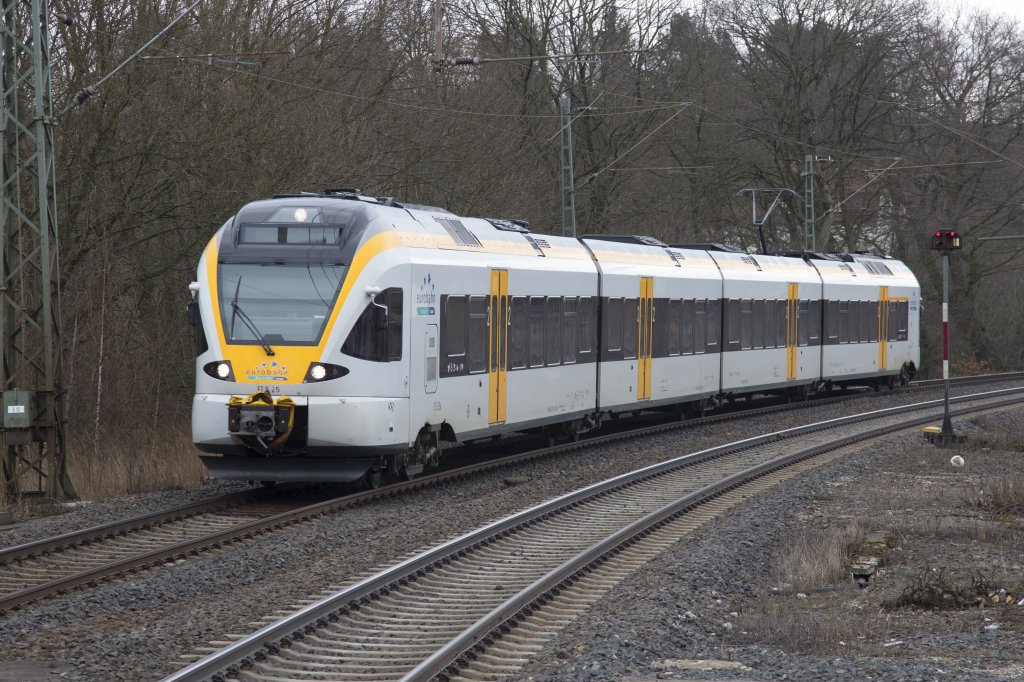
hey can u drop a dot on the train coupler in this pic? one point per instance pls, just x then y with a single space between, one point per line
260 420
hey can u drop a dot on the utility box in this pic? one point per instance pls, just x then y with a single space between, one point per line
17 409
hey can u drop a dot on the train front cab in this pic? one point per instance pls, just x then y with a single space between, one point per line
306 332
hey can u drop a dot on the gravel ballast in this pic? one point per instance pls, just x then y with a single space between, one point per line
675 608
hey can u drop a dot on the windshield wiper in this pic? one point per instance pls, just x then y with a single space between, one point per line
237 309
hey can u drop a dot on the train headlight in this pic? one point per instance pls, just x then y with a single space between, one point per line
323 371
220 369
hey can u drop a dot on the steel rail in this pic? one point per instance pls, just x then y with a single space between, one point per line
446 660
250 529
270 638
87 535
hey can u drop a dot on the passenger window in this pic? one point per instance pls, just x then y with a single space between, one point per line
553 331
614 324
873 321
660 338
769 324
453 343
832 322
630 328
803 325
854 321
844 321
758 326
517 333
903 312
536 331
586 320
714 324
689 327
746 324
732 326
814 328
476 345
676 329
781 322
569 333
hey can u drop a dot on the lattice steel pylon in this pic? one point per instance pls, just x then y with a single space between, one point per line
30 371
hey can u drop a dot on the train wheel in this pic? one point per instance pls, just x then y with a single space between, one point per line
372 479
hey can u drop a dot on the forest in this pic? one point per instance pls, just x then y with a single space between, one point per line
912 115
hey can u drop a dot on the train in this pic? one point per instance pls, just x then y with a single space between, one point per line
342 337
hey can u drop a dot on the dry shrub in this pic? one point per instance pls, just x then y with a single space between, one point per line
931 589
817 558
1003 495
994 437
125 462
786 621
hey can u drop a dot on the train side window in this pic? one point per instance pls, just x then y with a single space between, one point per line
680 335
371 337
844 322
732 324
814 323
569 333
865 314
614 324
758 324
536 331
553 331
769 324
586 326
453 342
476 334
781 321
893 325
630 327
690 340
873 307
746 324
831 322
711 341
903 314
517 333
803 325
662 325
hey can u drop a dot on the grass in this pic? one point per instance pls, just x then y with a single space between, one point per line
124 463
812 559
819 558
931 589
1001 496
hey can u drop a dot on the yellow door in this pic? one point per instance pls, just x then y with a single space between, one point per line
883 327
497 363
792 311
645 320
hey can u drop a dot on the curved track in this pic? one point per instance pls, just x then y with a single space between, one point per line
39 569
434 614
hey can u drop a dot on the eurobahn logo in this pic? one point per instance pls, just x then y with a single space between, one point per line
267 371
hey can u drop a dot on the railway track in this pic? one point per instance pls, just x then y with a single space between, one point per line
477 606
36 570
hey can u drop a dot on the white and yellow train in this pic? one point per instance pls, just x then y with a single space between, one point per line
343 337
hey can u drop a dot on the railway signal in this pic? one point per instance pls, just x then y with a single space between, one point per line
945 242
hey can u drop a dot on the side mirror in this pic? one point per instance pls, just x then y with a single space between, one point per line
192 312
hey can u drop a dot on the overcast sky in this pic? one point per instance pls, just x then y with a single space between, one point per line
1010 8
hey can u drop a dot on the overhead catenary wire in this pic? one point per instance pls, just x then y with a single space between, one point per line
84 94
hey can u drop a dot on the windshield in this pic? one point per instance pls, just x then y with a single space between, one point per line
288 304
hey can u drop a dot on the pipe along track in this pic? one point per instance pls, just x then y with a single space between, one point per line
36 570
455 609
